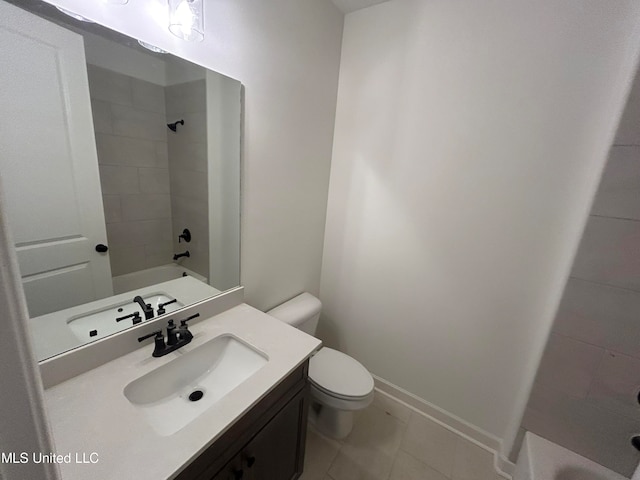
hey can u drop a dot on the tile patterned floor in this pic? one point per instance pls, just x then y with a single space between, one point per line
390 441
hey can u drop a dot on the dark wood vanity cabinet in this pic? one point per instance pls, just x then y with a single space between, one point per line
267 443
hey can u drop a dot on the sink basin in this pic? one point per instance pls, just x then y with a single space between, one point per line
175 394
103 322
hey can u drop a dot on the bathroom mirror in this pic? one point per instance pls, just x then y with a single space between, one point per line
121 172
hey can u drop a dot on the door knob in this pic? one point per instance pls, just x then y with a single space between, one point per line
101 248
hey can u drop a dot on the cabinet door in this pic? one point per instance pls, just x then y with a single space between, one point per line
277 451
231 471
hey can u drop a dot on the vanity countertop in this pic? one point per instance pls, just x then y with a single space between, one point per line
89 413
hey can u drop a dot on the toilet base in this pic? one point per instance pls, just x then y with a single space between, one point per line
330 421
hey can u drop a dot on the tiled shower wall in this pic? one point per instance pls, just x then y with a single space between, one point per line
188 171
586 392
131 138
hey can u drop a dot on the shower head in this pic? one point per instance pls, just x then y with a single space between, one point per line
174 126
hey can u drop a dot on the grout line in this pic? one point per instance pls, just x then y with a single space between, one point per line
449 477
579 340
615 218
595 282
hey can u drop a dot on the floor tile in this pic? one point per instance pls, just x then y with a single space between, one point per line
407 467
369 451
320 453
430 443
392 407
472 462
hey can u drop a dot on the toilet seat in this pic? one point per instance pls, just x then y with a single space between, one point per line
339 376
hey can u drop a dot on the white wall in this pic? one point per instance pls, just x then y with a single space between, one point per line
286 54
469 140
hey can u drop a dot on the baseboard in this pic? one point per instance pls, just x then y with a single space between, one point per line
449 421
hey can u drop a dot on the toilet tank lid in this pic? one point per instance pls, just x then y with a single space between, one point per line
297 310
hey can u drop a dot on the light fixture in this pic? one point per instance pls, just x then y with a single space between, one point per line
117 2
153 48
74 15
186 19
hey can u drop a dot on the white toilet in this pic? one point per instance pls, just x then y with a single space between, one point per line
340 384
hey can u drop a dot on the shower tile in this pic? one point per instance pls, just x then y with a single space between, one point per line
136 233
126 259
160 230
600 315
407 467
109 86
188 155
146 206
132 152
112 208
619 191
608 253
189 184
147 96
616 384
101 112
118 180
430 443
154 180
157 254
162 154
569 365
129 122
186 98
187 212
125 234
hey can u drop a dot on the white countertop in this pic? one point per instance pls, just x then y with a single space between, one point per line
89 413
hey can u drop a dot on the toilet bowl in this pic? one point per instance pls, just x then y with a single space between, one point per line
340 384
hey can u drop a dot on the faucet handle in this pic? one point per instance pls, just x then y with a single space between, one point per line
183 323
157 333
134 316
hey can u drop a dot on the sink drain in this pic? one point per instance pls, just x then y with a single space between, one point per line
196 395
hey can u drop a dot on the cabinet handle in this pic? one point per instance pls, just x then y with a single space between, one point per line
251 461
238 474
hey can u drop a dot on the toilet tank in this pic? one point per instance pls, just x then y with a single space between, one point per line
301 312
